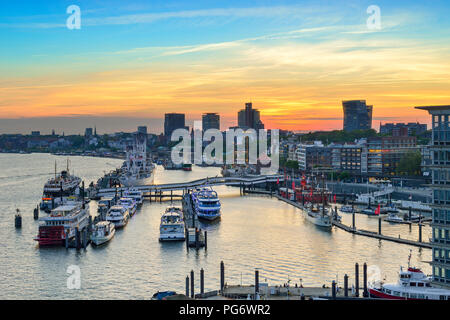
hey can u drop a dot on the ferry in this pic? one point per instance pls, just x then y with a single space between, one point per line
206 203
58 188
319 216
172 226
413 284
134 194
118 215
187 167
129 204
138 168
102 232
61 223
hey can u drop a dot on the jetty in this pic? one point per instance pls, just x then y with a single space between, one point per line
195 237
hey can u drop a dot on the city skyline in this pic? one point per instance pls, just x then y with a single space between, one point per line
129 64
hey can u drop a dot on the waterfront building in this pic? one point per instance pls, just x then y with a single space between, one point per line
357 115
403 129
35 133
440 168
314 155
210 121
249 118
383 154
173 121
347 157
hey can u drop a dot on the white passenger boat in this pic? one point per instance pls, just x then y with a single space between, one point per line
118 215
413 284
172 227
319 216
61 223
128 203
102 232
138 168
206 203
135 194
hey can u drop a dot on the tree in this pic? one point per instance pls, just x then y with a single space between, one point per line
410 164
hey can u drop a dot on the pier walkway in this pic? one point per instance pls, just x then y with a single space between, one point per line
366 233
210 181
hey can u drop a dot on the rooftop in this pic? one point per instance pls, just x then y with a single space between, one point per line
432 108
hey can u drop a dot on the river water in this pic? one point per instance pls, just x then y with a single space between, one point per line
254 232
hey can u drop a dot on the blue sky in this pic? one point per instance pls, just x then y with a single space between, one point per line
197 43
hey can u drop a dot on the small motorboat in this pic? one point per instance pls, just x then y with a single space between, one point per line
103 232
393 218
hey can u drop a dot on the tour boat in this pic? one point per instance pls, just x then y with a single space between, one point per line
102 232
138 168
58 188
134 194
347 209
172 225
413 284
206 203
392 217
61 223
118 215
187 167
319 216
128 203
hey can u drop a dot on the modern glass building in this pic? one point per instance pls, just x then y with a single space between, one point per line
173 121
440 169
210 121
357 115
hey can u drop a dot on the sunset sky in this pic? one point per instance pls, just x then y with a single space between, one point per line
133 61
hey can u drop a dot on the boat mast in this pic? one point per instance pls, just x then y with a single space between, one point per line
55 169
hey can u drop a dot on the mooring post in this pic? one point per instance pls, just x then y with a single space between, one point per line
365 292
66 241
356 280
409 213
192 284
36 213
150 196
420 232
206 240
333 290
353 221
335 213
256 282
346 285
77 238
187 286
202 281
379 225
196 238
222 277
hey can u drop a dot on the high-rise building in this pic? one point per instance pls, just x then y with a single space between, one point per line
357 115
440 169
173 121
142 129
249 118
210 121
88 132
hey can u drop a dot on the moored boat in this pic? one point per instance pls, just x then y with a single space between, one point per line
319 216
102 232
129 204
347 209
206 203
118 215
172 226
393 218
413 284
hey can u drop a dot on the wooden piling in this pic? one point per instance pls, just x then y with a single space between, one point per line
202 281
222 277
192 284
333 290
356 280
206 240
420 232
187 286
353 221
379 225
365 292
345 285
36 213
256 282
